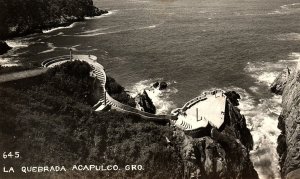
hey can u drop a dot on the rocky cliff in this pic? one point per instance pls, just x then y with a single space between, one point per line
22 17
289 123
145 103
4 47
224 153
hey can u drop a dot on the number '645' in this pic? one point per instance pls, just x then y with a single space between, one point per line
11 155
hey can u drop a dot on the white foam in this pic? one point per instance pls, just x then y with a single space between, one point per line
52 48
289 37
93 31
96 33
11 65
8 62
110 13
59 28
160 98
17 43
261 116
264 72
286 9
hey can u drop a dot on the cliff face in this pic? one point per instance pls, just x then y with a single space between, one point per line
222 154
21 17
289 123
4 47
144 101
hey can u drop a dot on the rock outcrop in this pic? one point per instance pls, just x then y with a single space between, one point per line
160 85
145 103
18 17
278 85
289 124
4 47
222 154
233 97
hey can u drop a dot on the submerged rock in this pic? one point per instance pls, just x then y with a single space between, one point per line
146 104
4 47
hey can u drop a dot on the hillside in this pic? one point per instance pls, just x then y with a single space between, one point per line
22 17
289 124
49 119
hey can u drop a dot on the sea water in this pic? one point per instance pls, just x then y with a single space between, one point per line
193 45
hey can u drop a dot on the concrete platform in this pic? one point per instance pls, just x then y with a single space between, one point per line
207 109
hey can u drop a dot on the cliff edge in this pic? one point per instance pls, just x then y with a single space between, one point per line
19 17
289 124
222 153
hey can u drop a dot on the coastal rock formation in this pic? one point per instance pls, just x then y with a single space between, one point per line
4 47
145 103
278 85
222 154
289 124
20 17
233 97
160 85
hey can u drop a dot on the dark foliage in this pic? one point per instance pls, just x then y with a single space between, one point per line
4 47
118 92
51 123
20 17
4 70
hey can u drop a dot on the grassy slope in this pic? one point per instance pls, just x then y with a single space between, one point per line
52 123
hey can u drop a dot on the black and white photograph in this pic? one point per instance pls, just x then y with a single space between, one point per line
150 89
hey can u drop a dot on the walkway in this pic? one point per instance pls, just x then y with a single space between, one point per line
21 75
105 99
209 108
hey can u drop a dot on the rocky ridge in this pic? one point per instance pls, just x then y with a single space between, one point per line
224 153
289 123
19 18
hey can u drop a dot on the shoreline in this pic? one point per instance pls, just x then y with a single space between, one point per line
70 23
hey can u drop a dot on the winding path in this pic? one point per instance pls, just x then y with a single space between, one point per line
105 99
21 75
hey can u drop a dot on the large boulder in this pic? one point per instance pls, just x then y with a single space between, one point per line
4 47
279 84
233 97
160 85
145 103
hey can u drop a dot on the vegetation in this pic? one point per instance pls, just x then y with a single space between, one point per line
4 70
118 92
50 122
20 17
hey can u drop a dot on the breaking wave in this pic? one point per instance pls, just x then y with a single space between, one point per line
52 48
286 9
289 36
17 43
110 13
102 31
160 98
261 116
59 28
8 62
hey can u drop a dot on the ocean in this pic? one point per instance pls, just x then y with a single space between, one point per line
193 45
